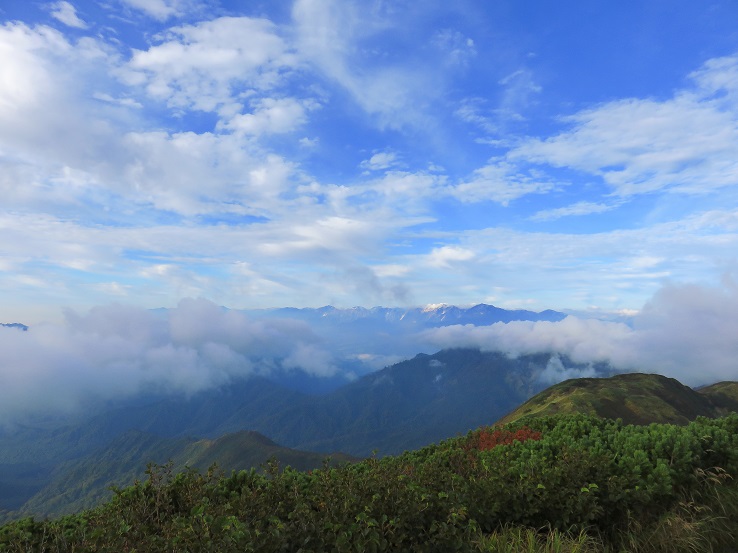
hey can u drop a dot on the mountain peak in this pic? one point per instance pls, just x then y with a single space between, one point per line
434 307
19 326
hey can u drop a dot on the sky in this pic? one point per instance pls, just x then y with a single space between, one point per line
540 155
193 154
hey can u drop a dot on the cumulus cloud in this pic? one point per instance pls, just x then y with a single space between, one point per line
379 161
207 65
447 256
272 116
191 173
685 331
119 351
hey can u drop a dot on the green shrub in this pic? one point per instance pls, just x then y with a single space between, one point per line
586 480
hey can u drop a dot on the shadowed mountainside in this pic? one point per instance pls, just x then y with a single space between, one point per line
85 482
419 401
405 406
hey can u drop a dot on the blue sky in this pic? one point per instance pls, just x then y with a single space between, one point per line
563 155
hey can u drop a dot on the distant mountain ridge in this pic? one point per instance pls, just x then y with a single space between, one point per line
19 326
429 316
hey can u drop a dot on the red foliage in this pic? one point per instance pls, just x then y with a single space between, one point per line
488 438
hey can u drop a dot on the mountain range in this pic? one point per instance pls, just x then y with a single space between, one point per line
413 403
51 466
404 406
429 316
635 398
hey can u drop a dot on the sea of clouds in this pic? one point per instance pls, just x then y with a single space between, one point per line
689 332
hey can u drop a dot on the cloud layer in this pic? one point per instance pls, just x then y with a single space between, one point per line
117 352
685 331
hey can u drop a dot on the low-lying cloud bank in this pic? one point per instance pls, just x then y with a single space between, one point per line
687 332
117 351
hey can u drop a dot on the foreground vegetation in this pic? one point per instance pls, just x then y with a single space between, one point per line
565 484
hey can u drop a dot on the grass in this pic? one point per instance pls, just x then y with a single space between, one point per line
704 523
516 539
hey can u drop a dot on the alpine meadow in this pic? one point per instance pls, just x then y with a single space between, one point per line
368 276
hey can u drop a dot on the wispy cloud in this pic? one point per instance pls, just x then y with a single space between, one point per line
163 10
579 208
67 14
502 182
686 144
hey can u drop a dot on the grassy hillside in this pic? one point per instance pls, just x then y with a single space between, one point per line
635 398
723 395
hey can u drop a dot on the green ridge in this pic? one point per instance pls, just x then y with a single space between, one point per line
636 398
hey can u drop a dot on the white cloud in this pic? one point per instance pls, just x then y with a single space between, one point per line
447 256
472 110
192 173
342 39
568 270
380 161
127 102
687 144
272 116
519 92
555 371
685 331
578 208
162 10
67 14
207 66
24 75
457 48
581 339
116 351
45 90
502 182
402 192
312 360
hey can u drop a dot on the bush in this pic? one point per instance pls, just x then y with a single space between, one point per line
571 475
